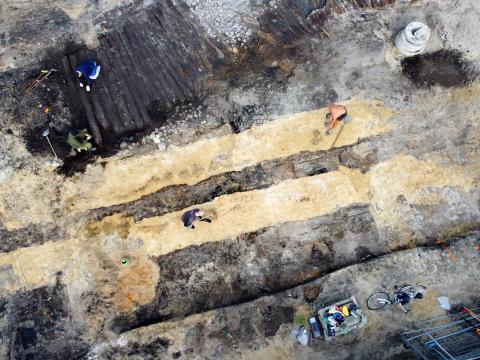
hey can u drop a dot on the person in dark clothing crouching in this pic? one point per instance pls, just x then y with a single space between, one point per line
189 217
86 72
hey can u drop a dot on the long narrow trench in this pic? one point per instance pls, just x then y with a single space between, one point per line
263 317
259 176
239 269
177 197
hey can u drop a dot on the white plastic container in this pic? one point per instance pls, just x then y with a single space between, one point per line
412 40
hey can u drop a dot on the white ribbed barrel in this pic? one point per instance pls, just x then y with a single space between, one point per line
411 40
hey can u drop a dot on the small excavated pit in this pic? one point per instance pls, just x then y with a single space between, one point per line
36 324
445 68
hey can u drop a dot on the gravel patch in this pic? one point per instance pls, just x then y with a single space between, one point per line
231 21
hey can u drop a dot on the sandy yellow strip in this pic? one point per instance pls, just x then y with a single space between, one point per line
396 187
122 180
233 214
292 200
37 265
420 183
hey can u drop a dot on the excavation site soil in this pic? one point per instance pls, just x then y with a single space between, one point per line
217 207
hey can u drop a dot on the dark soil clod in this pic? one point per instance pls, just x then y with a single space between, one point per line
445 68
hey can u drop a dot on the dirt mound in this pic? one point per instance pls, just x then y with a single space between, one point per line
445 68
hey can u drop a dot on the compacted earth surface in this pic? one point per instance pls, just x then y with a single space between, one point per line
220 105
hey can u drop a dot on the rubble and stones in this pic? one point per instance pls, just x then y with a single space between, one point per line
232 22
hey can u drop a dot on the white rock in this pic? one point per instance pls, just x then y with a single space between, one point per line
162 146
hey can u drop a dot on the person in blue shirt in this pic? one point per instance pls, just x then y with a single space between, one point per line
86 72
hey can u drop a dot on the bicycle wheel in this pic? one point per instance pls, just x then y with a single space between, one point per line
378 300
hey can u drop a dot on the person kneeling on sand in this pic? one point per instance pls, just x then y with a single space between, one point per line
335 114
189 217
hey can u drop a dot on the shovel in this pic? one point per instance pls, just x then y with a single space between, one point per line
43 75
347 119
54 162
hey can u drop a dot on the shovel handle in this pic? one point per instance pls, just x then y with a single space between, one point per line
345 122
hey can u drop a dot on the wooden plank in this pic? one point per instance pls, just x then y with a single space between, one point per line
114 84
98 110
87 106
148 89
145 55
134 77
105 98
166 67
125 83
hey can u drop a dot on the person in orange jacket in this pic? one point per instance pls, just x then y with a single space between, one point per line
335 114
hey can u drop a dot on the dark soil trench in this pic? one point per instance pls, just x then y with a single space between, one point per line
271 260
259 176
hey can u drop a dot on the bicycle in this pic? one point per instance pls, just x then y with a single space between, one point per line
401 297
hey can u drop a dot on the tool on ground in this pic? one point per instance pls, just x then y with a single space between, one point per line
347 119
325 32
52 162
45 133
43 75
135 303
